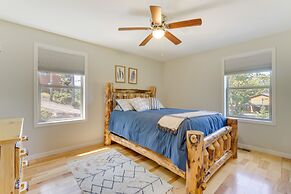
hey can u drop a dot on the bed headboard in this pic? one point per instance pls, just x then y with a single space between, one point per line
112 93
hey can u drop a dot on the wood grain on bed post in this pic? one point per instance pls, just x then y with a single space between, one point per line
234 136
108 109
194 165
153 91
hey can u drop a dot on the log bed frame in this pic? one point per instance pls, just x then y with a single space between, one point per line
205 155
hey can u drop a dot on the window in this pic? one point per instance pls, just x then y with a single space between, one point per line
60 86
249 87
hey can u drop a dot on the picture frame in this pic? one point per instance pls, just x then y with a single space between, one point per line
120 72
132 75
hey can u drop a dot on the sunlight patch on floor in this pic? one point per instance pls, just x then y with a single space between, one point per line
92 152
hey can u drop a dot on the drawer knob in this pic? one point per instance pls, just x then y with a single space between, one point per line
23 152
24 138
23 187
25 163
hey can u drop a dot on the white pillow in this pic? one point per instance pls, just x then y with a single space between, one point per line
124 104
147 101
118 108
155 104
140 104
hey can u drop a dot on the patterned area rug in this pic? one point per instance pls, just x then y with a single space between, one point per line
112 172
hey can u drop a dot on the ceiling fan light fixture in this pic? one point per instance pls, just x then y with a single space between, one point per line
158 34
159 26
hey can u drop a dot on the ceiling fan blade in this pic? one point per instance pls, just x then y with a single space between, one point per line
172 38
133 28
156 12
186 23
146 40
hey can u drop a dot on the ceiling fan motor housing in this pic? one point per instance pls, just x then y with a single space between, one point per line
161 26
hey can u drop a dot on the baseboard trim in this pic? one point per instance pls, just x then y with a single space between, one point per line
264 150
94 142
61 150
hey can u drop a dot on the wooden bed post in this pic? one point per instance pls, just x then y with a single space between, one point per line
153 90
108 109
194 165
234 136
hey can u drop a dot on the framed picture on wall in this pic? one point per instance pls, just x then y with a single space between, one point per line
132 75
119 74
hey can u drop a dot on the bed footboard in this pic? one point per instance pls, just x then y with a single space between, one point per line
205 155
194 165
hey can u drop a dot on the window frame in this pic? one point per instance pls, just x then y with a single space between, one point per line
37 96
272 121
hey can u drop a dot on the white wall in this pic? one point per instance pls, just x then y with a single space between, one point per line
16 85
196 81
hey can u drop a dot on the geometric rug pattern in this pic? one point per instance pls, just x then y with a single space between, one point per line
111 172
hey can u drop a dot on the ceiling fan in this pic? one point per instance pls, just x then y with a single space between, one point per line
159 26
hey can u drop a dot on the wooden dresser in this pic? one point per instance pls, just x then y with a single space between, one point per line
12 156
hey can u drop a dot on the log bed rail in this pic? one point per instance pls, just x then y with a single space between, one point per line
205 155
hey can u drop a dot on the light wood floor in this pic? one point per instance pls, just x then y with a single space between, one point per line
251 173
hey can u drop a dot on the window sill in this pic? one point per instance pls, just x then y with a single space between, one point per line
253 121
58 123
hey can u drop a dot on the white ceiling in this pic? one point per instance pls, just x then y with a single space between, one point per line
224 22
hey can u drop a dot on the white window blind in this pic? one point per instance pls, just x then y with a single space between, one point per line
61 62
249 86
254 63
60 85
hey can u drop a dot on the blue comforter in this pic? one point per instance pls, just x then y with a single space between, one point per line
141 128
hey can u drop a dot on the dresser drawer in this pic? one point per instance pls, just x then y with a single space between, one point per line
20 162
